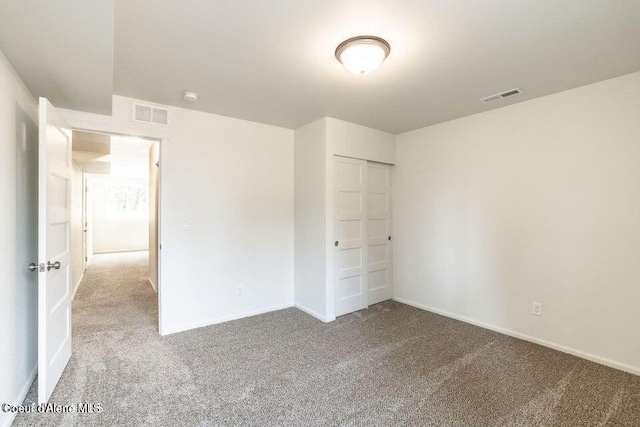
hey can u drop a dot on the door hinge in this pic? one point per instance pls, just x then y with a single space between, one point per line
41 267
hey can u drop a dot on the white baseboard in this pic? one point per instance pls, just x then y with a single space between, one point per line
153 285
588 356
75 289
311 312
11 416
118 251
217 320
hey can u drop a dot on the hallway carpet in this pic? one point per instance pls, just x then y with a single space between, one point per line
388 365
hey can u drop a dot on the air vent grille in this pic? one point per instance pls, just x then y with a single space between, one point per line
502 95
149 114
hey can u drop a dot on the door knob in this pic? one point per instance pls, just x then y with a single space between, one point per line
336 243
33 267
55 265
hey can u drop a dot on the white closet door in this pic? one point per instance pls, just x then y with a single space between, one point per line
350 234
379 233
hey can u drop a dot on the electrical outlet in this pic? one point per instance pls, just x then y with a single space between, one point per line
240 290
536 309
185 224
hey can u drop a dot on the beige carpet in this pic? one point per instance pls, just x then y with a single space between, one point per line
389 365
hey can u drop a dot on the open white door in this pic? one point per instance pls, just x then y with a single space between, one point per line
54 277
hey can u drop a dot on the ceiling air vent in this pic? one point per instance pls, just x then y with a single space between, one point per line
149 114
498 96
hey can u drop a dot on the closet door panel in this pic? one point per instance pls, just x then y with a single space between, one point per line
350 199
379 220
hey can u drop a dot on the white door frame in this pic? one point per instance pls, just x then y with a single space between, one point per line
88 218
85 258
112 130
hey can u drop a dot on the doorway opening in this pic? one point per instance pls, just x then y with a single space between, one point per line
114 203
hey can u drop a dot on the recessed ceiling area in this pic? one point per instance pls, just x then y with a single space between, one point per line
92 152
274 62
118 156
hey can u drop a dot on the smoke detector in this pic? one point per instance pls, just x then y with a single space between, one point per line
190 96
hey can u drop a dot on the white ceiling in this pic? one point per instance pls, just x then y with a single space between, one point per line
273 61
62 49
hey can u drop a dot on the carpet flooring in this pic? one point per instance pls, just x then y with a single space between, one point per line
388 365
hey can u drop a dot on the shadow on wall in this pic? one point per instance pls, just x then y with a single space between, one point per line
26 241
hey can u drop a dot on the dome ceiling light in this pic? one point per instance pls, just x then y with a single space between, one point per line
362 54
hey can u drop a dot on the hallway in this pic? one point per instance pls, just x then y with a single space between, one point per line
115 295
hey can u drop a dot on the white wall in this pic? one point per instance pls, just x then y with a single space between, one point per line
316 144
154 175
233 181
77 236
360 142
116 235
18 243
539 201
310 189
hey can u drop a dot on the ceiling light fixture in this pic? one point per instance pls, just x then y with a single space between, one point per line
362 54
189 96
